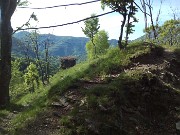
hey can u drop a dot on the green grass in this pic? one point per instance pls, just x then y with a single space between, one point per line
113 61
110 97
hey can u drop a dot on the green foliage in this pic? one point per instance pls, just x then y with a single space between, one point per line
101 42
116 4
16 85
90 50
169 32
91 26
127 10
129 25
23 3
31 77
34 103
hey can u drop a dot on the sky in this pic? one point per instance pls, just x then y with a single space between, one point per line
110 23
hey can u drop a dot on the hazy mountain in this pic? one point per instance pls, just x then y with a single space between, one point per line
58 45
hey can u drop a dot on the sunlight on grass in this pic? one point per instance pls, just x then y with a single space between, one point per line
33 103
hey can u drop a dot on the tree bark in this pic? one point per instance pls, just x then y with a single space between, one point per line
94 46
121 33
7 9
145 13
47 61
36 51
5 67
128 24
152 22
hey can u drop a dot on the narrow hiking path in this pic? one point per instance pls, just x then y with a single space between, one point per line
48 123
163 65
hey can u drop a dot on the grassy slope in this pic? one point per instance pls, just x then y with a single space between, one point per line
111 96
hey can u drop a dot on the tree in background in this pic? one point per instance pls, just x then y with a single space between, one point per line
153 28
36 49
143 4
17 75
47 60
149 6
91 28
102 44
17 86
122 7
31 77
169 32
129 26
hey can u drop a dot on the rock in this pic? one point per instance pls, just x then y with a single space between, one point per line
57 104
62 103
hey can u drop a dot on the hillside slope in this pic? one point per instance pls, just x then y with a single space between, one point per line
130 92
59 45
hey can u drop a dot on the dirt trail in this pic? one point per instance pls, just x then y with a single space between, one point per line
48 122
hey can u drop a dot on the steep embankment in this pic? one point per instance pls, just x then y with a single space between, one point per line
132 92
142 98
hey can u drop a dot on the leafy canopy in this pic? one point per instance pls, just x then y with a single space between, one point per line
169 32
31 77
102 44
91 26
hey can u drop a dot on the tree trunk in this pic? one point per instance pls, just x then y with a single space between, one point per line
39 62
121 33
94 46
7 9
152 23
47 61
5 67
128 24
145 13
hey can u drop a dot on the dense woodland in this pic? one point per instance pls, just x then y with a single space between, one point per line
116 87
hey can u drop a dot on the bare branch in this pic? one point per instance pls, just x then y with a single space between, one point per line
141 9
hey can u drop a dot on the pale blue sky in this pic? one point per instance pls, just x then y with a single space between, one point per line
111 23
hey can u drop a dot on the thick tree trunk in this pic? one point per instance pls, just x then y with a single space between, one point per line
7 8
5 67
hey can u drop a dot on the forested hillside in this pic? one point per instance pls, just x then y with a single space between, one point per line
59 45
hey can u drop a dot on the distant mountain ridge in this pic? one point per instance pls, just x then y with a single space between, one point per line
59 45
